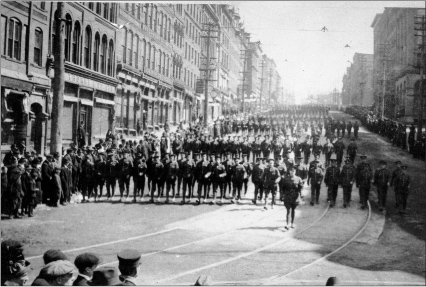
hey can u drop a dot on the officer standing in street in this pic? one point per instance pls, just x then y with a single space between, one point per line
218 178
381 181
339 148
332 180
111 174
139 171
157 176
229 163
347 179
203 172
292 190
238 180
270 178
363 164
125 172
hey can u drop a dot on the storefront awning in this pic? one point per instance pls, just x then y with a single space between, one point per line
86 102
104 101
70 99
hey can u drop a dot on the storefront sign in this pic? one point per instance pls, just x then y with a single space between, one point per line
89 83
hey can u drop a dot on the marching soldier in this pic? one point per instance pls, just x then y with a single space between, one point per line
245 147
239 175
347 179
401 185
139 171
349 128
381 181
188 168
203 172
276 148
364 176
157 176
177 146
172 169
395 173
292 190
282 168
332 180
111 174
249 170
356 128
100 167
301 169
256 178
266 146
218 178
125 168
306 148
270 178
352 150
339 148
229 163
315 177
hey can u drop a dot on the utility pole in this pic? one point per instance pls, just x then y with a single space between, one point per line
384 51
58 82
270 85
244 72
261 84
207 70
422 74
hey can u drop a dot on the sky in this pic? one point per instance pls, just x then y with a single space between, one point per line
311 61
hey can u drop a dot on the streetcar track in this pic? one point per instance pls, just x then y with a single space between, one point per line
277 277
258 250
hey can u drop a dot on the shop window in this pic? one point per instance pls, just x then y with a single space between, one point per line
38 46
96 52
14 40
87 47
76 44
110 58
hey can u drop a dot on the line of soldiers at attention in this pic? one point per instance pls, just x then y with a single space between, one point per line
394 131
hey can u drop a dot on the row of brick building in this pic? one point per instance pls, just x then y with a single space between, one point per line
128 66
389 79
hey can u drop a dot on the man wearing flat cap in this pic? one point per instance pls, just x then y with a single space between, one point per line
59 273
129 266
381 181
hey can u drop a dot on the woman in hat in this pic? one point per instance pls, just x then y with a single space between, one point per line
14 267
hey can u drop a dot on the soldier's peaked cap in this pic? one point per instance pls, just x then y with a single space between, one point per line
129 258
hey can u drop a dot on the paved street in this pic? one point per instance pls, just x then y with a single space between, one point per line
236 244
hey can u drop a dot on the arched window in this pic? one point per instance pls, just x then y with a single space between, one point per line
154 53
87 47
169 30
145 13
160 61
103 54
110 58
14 40
130 47
136 52
155 18
68 29
165 27
168 65
96 52
76 43
143 52
106 9
164 64
38 47
150 15
148 56
160 23
125 46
